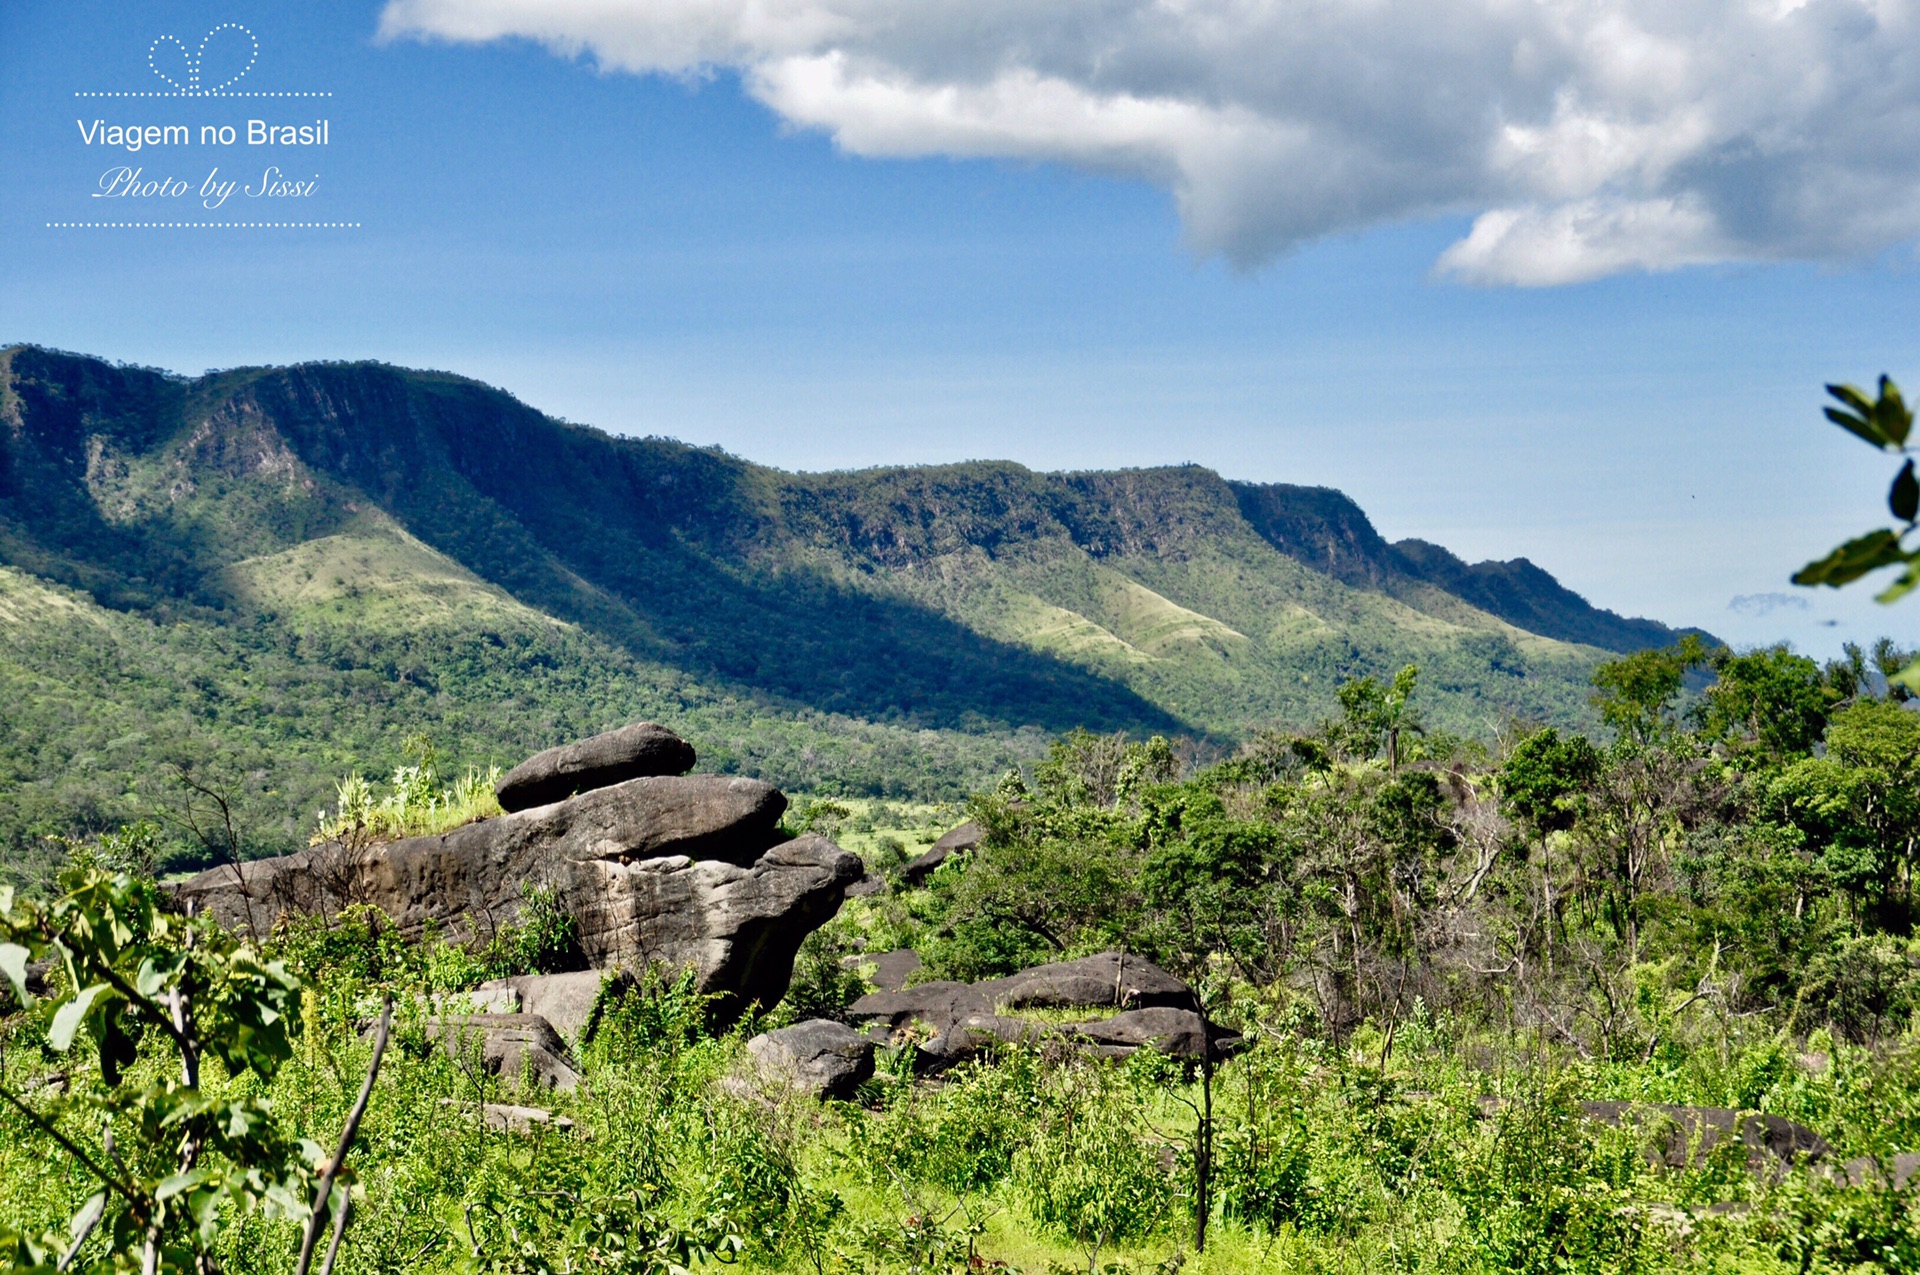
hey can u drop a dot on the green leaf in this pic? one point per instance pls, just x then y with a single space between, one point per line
1908 677
1862 426
67 1021
13 964
1901 587
1891 414
1904 499
179 1182
1853 559
1852 397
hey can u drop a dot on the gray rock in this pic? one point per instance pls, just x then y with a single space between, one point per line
1178 1033
935 1006
475 872
1111 980
974 1038
737 928
825 1059
1688 1134
632 752
965 837
892 969
568 1001
518 1048
867 887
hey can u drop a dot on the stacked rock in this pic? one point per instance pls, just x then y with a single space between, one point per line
657 866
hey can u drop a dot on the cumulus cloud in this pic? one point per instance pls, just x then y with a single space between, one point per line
1584 137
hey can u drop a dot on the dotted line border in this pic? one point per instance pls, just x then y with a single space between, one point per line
203 225
208 93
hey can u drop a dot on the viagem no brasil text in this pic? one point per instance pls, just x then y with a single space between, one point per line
134 137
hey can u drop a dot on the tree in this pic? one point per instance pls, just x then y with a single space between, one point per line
1771 699
174 1157
1636 693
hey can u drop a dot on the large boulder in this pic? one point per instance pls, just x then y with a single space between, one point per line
737 928
1111 980
825 1059
633 752
933 1006
477 871
965 837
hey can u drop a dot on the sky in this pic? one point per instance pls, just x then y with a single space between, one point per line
1555 279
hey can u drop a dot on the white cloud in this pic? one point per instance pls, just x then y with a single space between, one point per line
1586 137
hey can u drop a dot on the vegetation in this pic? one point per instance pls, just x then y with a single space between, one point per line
270 576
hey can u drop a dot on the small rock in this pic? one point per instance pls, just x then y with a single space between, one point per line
567 1001
514 1047
501 1115
822 1058
632 752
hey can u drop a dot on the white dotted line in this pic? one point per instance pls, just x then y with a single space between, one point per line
207 93
203 225
194 59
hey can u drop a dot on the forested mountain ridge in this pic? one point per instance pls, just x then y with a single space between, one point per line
385 550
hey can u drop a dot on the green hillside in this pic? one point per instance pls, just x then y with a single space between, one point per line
276 573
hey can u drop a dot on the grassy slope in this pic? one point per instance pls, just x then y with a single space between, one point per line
290 570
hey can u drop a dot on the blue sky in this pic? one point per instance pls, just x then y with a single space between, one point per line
706 256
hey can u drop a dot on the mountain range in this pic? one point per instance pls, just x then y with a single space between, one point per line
273 575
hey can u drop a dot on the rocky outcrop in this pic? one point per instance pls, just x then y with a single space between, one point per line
680 871
965 837
737 928
633 752
958 1022
1111 980
817 1057
477 871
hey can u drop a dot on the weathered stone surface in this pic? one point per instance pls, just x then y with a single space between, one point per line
965 837
737 928
1111 980
476 872
567 1001
936 1006
632 752
825 1059
892 969
1691 1133
976 1036
1178 1033
519 1048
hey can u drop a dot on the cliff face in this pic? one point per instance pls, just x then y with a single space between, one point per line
340 507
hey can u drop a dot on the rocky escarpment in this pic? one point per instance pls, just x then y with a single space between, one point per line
678 871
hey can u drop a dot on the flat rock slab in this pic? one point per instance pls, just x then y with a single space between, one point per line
642 750
1111 980
478 870
937 1006
965 837
817 1057
513 1119
518 1048
892 969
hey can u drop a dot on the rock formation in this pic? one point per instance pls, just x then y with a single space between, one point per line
825 1059
965 837
956 1022
682 871
633 752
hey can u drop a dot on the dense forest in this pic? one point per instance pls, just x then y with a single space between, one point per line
1486 989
